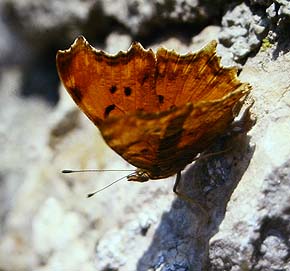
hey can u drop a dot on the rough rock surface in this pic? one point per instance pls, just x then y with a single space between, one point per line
245 26
137 16
254 234
240 217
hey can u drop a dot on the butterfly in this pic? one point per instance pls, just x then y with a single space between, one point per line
157 110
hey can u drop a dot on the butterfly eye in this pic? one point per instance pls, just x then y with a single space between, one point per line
139 175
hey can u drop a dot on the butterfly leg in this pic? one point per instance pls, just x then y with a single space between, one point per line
187 198
177 181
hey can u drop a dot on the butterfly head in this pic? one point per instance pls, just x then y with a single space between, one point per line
139 175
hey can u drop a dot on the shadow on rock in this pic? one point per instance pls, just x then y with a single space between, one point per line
181 241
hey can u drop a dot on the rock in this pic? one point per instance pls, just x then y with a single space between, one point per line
7 43
116 42
246 26
261 2
23 135
208 34
261 199
41 21
68 246
284 9
242 32
43 24
140 16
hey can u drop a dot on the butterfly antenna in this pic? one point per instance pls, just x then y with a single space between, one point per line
92 194
100 170
93 170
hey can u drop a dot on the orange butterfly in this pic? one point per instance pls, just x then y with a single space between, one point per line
157 110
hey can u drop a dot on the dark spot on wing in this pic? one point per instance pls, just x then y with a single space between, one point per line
108 110
76 94
113 89
127 91
144 78
161 99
